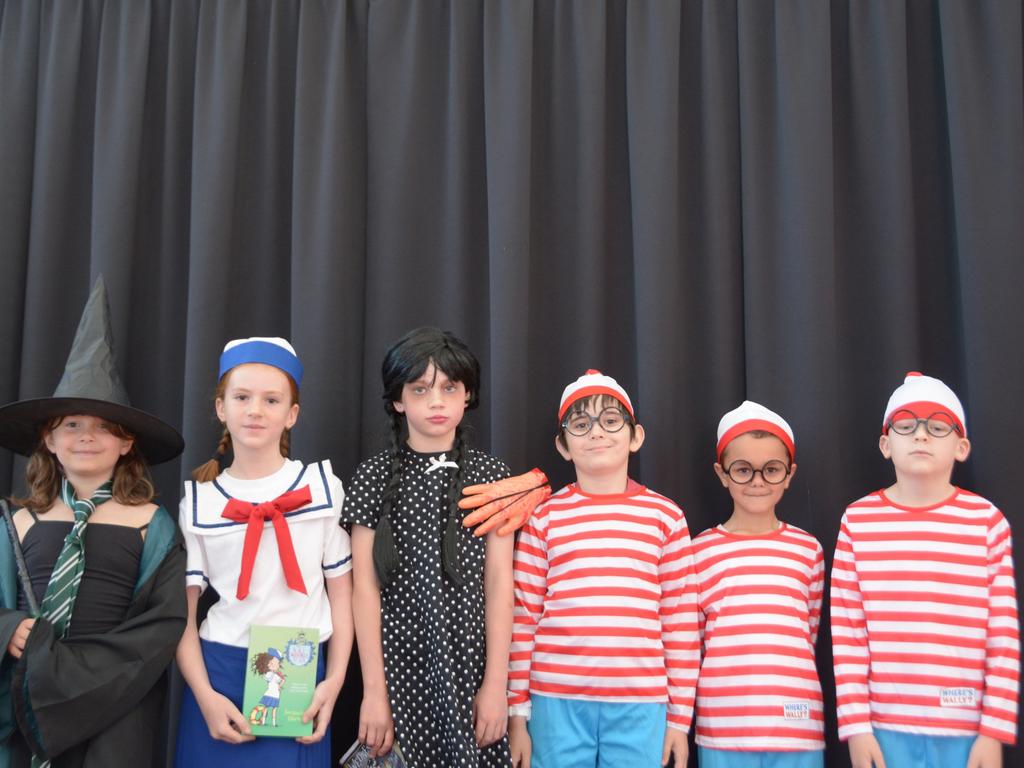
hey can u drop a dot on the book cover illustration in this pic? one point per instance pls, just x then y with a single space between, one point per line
358 756
280 678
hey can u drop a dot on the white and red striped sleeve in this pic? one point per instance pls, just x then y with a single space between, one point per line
530 573
1002 648
680 635
850 655
815 593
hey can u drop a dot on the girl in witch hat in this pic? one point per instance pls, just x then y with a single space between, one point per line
264 534
91 604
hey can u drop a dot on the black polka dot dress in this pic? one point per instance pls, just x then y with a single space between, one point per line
432 630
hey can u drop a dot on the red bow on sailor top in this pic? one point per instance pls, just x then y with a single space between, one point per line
273 510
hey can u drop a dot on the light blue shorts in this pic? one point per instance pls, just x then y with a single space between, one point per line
736 758
570 733
918 750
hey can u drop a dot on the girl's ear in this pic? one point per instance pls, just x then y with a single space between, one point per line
218 406
398 406
293 416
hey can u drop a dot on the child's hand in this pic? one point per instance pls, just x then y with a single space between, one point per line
223 719
675 745
20 637
519 743
376 727
865 752
986 753
490 714
320 710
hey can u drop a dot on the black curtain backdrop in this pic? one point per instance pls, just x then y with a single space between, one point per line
795 202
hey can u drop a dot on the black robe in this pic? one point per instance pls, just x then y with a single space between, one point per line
96 700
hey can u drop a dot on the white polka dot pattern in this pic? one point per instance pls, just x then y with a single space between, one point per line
432 631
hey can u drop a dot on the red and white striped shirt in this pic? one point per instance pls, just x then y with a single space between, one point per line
924 619
606 604
760 605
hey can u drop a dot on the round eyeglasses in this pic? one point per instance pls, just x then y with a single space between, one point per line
938 424
579 423
772 472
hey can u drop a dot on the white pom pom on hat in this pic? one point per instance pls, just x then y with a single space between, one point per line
923 395
593 382
749 417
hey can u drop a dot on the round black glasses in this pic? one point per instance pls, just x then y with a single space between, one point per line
772 472
579 423
937 425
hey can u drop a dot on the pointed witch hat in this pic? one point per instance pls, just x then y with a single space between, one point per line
91 386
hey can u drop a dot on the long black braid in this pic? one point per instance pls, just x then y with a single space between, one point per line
385 552
450 542
406 361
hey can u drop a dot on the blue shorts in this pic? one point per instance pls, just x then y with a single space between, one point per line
737 758
919 750
572 733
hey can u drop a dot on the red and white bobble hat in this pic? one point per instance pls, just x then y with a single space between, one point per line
752 417
925 396
593 383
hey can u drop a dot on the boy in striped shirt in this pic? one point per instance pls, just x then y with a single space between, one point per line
604 650
759 584
924 611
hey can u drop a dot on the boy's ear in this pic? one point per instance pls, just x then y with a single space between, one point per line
963 449
638 438
883 446
562 450
722 476
789 477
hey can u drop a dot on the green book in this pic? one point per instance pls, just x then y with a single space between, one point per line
280 677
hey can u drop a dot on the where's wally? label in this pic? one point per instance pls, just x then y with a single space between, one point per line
796 710
958 697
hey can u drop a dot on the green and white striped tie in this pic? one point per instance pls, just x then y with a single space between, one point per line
59 600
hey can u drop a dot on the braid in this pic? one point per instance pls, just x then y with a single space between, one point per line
449 544
204 473
286 443
385 552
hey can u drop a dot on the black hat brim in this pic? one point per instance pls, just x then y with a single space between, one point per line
21 423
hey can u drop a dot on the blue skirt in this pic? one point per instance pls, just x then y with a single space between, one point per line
225 666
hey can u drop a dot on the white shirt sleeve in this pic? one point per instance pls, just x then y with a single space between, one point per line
337 543
197 572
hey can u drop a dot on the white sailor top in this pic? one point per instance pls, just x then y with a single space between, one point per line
214 543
